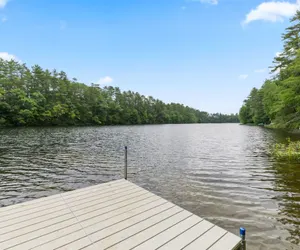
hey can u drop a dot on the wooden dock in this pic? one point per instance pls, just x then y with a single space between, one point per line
114 215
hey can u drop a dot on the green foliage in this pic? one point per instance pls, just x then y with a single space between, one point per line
277 102
40 97
287 152
245 114
253 110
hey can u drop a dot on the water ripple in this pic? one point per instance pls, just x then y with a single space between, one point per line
220 172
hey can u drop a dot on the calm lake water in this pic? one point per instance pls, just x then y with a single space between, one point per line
221 172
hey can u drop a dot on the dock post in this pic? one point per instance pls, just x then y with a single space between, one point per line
125 167
243 237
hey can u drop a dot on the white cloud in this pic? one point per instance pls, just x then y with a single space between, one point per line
260 70
3 19
243 77
210 1
63 25
7 57
183 7
3 3
273 11
278 54
214 2
105 80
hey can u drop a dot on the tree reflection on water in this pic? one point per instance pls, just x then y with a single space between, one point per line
287 182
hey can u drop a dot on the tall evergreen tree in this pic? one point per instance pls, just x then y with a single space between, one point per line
278 101
41 97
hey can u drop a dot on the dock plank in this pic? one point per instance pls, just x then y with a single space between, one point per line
207 240
169 234
83 243
138 234
188 236
67 240
95 211
34 225
99 194
102 222
47 211
30 216
120 235
109 227
226 242
30 240
50 199
114 215
91 189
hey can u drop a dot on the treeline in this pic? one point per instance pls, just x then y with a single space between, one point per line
30 97
277 102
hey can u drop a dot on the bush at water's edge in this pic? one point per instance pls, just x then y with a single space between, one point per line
289 151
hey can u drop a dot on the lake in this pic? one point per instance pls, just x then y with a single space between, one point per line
221 172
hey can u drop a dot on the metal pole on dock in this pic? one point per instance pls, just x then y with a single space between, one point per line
243 237
125 167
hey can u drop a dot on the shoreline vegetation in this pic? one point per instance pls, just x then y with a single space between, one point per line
289 151
38 97
277 103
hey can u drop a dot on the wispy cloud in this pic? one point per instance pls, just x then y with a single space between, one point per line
274 11
3 19
183 7
7 57
63 25
105 80
260 70
3 3
243 77
214 2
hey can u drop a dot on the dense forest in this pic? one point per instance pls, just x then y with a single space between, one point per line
277 102
34 97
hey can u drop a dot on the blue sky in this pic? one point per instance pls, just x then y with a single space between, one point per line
206 54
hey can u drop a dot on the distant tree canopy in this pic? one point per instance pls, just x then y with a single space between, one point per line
278 100
31 97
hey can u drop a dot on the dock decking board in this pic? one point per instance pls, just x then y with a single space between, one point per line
115 215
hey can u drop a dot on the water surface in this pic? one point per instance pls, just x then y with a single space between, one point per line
221 172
